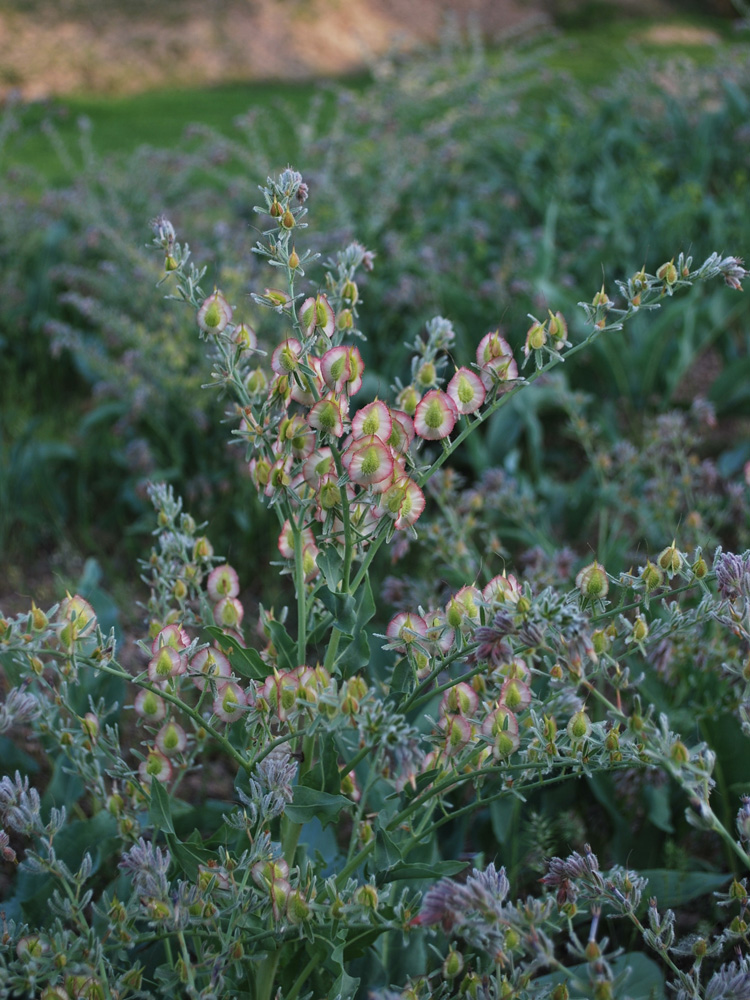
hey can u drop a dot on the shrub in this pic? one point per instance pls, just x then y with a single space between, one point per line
289 801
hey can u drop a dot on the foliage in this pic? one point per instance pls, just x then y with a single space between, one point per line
488 186
361 767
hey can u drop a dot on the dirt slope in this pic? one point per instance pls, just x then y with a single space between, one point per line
110 47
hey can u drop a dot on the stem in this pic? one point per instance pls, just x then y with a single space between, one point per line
299 586
299 982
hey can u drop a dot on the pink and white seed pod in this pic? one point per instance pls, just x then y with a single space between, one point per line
229 703
457 732
215 314
373 420
461 699
402 432
435 416
405 629
229 612
515 694
285 359
501 728
209 664
335 368
404 501
327 415
165 664
368 461
174 636
320 463
467 390
149 706
317 317
502 589
156 767
171 738
223 581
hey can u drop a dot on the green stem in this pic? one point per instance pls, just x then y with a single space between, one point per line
299 982
299 585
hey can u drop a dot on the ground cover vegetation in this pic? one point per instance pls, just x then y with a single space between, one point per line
485 735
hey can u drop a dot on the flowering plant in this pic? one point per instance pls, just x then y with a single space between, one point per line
354 757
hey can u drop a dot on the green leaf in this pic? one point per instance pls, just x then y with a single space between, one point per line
344 988
324 775
357 654
330 563
188 855
644 981
245 661
309 803
404 870
286 648
402 679
502 814
343 609
159 811
673 888
658 808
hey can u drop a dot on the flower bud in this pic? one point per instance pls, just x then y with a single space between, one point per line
453 964
297 907
640 629
215 314
679 753
667 273
293 259
592 581
670 559
287 220
652 576
367 896
579 726
699 567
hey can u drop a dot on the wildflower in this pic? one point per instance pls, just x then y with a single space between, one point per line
733 575
215 314
733 272
20 706
467 390
149 866
20 805
7 852
435 416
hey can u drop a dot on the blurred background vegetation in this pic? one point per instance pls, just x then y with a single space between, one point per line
493 178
